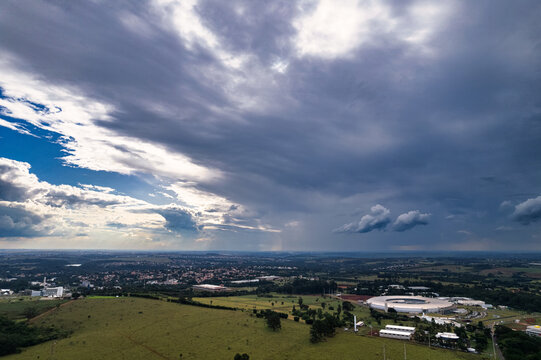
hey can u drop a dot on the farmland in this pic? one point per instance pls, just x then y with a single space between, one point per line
133 328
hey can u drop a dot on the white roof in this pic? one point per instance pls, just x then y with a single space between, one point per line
447 335
400 328
395 332
407 303
534 328
209 286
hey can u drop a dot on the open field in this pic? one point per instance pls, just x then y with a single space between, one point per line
282 303
132 328
13 308
532 272
441 268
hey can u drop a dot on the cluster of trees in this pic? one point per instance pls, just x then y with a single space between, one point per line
241 356
467 335
325 327
526 301
391 314
299 286
15 335
187 301
272 317
517 345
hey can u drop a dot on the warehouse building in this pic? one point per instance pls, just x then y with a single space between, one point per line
397 332
209 287
534 330
394 334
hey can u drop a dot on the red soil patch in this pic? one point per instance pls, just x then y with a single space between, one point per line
355 297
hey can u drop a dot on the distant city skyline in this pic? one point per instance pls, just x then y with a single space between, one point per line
270 126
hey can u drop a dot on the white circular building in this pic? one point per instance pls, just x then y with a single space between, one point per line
409 304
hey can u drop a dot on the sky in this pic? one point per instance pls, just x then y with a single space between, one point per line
325 125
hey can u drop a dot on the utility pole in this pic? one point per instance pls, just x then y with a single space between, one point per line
493 343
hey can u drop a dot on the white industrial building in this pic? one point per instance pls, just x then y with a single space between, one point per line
49 292
409 304
409 329
209 287
53 292
534 330
394 334
397 332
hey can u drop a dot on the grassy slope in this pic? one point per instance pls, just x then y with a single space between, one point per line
250 302
130 328
13 308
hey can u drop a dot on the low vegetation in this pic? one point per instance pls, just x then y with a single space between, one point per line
517 345
16 335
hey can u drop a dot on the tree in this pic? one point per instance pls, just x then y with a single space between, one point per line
323 328
30 312
481 341
241 357
273 320
347 306
300 301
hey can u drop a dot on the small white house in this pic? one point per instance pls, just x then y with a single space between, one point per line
447 336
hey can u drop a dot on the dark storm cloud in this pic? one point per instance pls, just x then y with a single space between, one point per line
452 126
528 211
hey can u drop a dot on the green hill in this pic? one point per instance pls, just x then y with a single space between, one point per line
134 328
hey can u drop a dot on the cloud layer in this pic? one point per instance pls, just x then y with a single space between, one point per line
263 125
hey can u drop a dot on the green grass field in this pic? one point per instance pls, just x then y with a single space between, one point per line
13 308
250 302
281 303
132 328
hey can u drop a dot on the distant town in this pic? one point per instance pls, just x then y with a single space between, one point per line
430 301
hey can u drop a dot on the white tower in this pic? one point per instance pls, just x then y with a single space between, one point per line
355 323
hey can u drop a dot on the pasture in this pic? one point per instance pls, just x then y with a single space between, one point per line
14 308
133 328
